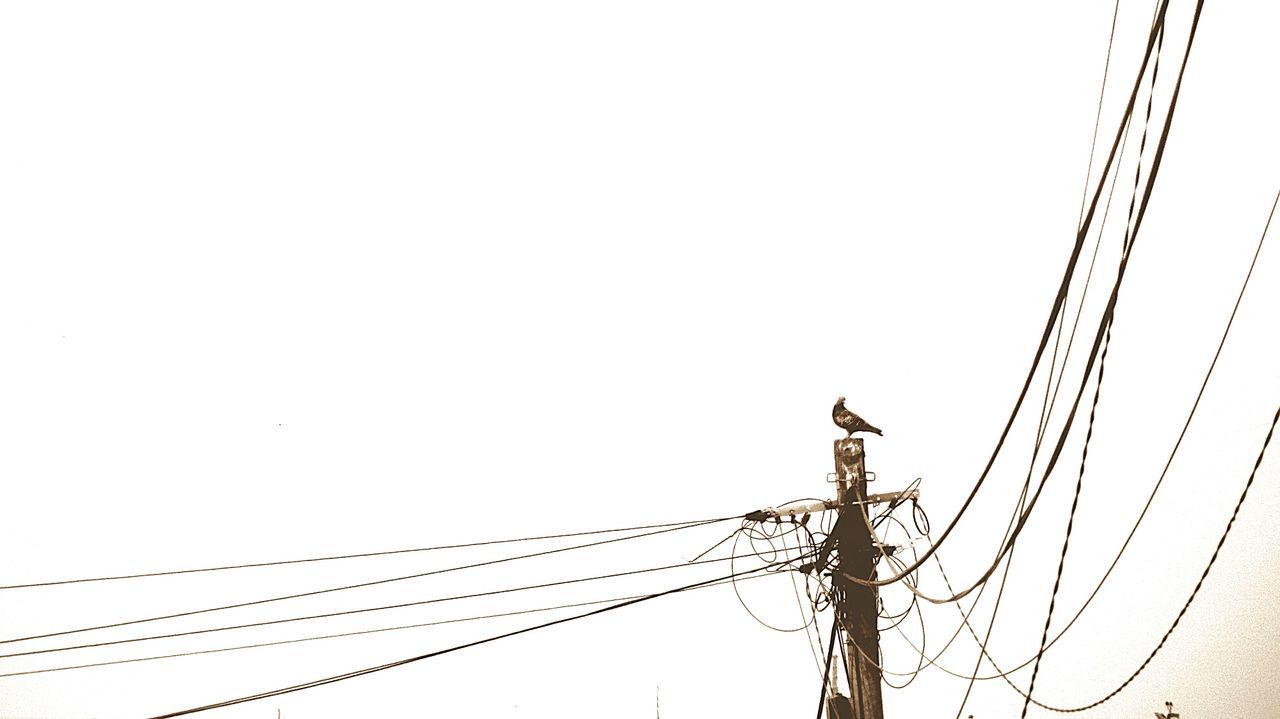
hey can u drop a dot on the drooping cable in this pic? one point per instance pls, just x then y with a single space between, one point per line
772 556
995 609
1199 583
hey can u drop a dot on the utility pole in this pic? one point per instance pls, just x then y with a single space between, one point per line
856 604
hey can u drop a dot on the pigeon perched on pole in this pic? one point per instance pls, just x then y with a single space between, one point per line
850 422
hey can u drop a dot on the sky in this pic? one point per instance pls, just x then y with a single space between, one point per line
287 280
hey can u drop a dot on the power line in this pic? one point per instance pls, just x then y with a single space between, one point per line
1217 353
1106 211
391 665
359 585
1102 326
357 556
1199 583
1097 394
366 610
1004 674
1059 301
995 608
1050 402
826 671
379 630
1097 118
733 556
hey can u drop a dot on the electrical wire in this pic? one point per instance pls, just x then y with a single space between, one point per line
1058 303
1003 674
814 648
1097 119
995 611
1168 463
1106 212
359 585
356 556
773 554
1103 324
911 676
877 663
1097 393
1199 583
430 655
826 672
362 632
366 610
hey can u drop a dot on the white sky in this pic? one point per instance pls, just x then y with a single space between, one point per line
288 279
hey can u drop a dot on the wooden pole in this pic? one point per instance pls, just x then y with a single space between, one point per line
856 605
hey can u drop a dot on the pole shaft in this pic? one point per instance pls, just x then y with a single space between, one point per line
857 605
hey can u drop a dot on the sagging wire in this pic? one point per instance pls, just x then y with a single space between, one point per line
767 532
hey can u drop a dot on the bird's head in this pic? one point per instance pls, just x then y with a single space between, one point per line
839 400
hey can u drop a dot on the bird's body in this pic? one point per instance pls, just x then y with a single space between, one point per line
850 422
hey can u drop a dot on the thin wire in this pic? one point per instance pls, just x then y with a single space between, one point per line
364 631
391 665
1200 583
367 609
826 672
1168 463
1097 120
1182 434
733 557
912 675
1048 331
879 665
1106 211
1097 393
814 648
350 556
995 609
359 585
1093 354
1003 674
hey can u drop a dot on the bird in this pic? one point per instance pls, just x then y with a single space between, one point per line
850 422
